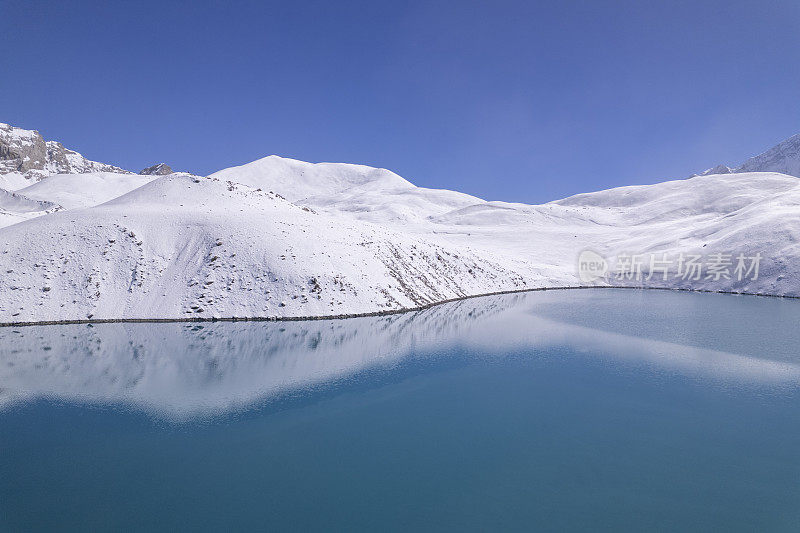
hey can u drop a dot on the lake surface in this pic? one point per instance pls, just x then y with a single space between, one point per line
584 410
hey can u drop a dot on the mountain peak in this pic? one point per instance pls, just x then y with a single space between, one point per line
719 169
161 169
783 158
297 180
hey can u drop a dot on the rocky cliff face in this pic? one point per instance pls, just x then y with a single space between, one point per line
161 169
25 154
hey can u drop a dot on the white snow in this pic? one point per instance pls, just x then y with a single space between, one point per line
84 190
371 194
15 207
298 179
284 238
14 181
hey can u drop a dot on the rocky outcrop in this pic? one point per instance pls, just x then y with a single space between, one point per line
21 150
27 154
719 169
161 169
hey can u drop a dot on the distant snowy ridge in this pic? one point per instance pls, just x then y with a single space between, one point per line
783 158
25 158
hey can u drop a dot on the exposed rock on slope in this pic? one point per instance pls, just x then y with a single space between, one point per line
25 157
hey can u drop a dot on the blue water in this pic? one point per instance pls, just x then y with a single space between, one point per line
590 410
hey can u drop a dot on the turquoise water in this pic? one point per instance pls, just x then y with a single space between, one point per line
589 410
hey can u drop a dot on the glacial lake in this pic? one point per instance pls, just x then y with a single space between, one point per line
581 410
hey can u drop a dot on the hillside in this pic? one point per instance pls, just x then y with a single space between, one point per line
182 246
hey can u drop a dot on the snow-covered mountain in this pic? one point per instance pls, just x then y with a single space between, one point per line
25 158
367 193
185 246
783 158
284 238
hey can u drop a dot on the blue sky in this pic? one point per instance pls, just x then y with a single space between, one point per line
518 101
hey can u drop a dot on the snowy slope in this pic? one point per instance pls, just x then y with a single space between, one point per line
182 246
84 190
748 214
15 207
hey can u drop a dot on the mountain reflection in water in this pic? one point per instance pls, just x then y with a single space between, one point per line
182 370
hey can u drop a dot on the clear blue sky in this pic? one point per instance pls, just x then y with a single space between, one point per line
518 101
